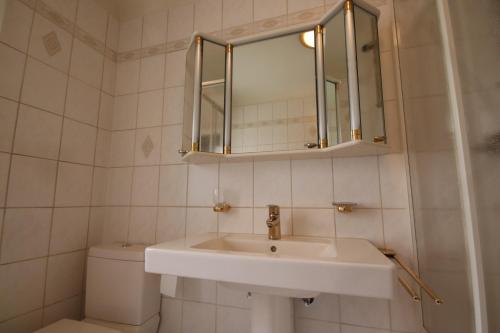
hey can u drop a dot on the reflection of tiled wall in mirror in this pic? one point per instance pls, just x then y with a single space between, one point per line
273 126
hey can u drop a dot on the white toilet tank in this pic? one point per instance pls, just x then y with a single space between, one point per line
118 289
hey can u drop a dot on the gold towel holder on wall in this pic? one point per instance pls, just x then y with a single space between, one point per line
391 254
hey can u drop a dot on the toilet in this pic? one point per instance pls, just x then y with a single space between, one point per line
120 296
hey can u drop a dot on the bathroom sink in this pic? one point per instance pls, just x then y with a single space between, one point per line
291 267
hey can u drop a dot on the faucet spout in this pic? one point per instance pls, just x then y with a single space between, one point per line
273 222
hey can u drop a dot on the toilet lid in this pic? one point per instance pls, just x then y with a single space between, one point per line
73 326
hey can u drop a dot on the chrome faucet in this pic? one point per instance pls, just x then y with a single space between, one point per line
273 222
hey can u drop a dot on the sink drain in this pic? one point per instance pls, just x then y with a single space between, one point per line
274 248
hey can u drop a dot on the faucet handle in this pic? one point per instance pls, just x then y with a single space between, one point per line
274 209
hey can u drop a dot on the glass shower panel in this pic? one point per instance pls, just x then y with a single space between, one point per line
187 119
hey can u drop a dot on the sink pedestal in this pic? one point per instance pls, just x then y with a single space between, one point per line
271 314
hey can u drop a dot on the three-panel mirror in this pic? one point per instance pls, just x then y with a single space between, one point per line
300 89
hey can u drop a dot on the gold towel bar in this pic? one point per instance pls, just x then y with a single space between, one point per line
391 254
409 289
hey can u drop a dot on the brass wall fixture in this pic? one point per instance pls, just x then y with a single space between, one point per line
391 254
344 207
221 207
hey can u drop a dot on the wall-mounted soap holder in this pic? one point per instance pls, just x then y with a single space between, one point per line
344 207
221 207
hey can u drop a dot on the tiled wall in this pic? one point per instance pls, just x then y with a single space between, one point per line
153 196
56 95
83 176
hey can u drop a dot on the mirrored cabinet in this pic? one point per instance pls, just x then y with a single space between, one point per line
304 91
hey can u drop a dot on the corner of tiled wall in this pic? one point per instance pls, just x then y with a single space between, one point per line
57 60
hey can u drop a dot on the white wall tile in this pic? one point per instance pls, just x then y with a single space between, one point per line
148 146
272 183
236 12
199 290
16 25
174 68
236 220
397 232
312 184
233 320
356 180
119 186
404 311
171 223
11 65
69 229
150 110
266 9
154 29
180 22
4 173
29 322
393 181
8 114
67 309
82 102
171 311
298 5
313 222
64 276
125 112
361 223
86 64
142 225
74 185
103 148
208 16
99 183
38 133
116 225
122 148
363 311
106 111
113 32
200 220
308 325
326 307
173 185
145 186
230 296
359 329
92 18
173 106
236 183
78 142
170 144
22 287
152 72
127 77
198 318
26 233
41 29
130 35
203 180
31 182
96 226
109 76
43 87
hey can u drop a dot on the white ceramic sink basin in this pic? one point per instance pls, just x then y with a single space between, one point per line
293 266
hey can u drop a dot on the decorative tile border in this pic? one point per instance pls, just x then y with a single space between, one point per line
49 13
269 24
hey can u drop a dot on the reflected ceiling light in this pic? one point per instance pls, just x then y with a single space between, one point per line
307 39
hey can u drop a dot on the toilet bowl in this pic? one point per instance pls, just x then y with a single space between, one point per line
120 296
